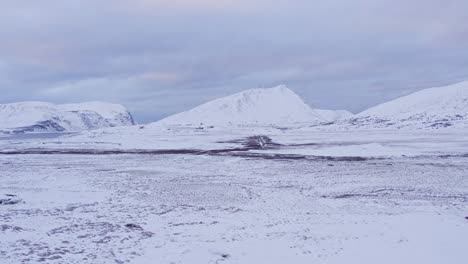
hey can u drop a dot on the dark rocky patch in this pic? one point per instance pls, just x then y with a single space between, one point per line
254 142
351 195
10 199
133 226
248 144
10 228
411 194
43 126
236 152
188 223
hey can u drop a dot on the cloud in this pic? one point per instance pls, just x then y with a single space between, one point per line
190 4
161 57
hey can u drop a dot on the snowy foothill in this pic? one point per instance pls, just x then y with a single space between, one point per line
433 108
443 101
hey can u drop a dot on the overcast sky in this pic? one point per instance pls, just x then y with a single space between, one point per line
159 57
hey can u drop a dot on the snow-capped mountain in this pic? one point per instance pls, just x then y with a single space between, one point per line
263 106
46 117
430 108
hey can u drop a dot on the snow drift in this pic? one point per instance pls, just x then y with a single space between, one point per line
46 117
277 105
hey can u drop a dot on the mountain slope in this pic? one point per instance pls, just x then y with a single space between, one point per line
47 117
434 107
277 105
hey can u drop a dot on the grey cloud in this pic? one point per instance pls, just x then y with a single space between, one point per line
161 57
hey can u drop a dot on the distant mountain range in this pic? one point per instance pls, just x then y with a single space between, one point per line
433 108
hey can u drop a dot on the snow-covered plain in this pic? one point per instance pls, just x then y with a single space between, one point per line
235 195
262 191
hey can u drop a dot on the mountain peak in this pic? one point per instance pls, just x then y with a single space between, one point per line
281 88
276 105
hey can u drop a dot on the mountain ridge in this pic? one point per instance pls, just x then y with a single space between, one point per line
435 107
38 116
